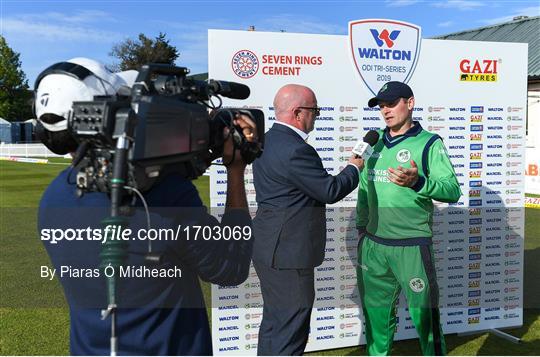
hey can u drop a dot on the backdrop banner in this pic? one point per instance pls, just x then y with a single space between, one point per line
472 94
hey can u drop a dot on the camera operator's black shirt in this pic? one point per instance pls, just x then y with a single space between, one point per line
157 316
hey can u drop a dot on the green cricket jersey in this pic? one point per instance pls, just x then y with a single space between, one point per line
390 211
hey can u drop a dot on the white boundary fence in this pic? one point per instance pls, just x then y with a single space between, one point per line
27 150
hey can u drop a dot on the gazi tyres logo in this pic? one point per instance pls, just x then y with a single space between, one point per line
478 70
384 50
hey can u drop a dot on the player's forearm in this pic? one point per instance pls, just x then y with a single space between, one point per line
442 189
442 184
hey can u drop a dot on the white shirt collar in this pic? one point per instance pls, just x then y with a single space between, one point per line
303 135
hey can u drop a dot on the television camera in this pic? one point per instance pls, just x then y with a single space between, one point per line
163 126
128 142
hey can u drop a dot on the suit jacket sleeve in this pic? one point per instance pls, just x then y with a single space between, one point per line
309 175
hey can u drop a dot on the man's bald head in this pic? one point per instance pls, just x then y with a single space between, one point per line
288 104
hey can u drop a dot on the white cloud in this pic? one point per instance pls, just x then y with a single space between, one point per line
191 40
47 31
445 24
286 22
193 48
295 23
459 4
82 25
401 3
527 11
79 17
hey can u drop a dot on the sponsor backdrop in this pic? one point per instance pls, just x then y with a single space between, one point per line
532 177
532 154
470 93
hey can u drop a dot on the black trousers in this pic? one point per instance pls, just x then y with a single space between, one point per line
288 296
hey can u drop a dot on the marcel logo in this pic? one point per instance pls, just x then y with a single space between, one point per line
478 70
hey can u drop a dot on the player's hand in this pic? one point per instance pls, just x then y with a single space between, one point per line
404 177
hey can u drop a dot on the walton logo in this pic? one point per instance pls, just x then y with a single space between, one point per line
384 51
384 37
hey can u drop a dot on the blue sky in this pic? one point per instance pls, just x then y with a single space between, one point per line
45 32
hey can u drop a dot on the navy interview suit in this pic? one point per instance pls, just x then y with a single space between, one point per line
292 188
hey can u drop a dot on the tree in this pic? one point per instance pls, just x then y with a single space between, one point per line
15 98
134 53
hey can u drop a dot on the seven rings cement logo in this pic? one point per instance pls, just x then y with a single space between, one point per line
245 64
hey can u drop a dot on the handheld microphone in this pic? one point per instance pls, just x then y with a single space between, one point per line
364 148
229 89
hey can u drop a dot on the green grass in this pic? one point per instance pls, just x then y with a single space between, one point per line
34 319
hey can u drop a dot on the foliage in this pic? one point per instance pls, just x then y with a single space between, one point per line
15 98
134 53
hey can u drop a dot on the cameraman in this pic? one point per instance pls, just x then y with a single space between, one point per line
156 316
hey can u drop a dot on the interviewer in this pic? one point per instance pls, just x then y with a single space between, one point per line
290 227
